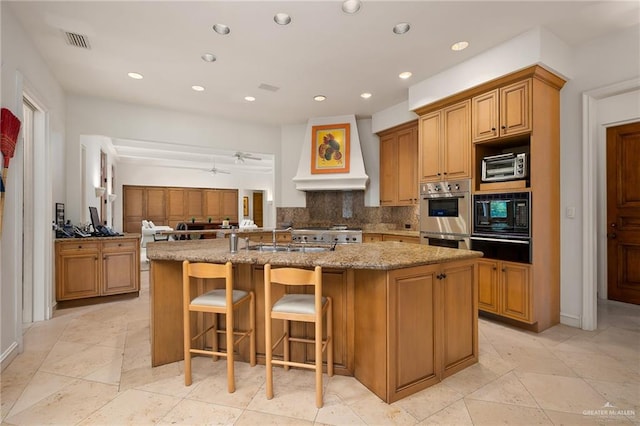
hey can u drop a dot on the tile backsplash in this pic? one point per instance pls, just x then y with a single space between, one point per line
327 208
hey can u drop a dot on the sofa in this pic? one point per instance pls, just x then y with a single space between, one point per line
150 232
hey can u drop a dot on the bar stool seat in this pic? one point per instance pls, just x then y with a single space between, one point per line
216 301
310 308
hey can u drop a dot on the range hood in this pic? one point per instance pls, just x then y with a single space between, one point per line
354 179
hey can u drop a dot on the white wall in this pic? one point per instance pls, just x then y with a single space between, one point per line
602 62
24 69
92 116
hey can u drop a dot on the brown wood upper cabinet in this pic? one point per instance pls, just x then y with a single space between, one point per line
444 147
398 165
502 112
171 205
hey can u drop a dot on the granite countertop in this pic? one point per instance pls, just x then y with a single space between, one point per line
381 255
93 238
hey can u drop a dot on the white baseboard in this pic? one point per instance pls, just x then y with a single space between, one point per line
570 320
8 355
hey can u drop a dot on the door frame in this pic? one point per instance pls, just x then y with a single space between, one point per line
595 121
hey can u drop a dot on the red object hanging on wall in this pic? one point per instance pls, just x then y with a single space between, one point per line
9 130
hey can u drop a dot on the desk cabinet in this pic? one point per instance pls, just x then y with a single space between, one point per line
97 267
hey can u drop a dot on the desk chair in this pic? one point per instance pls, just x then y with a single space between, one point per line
218 301
297 307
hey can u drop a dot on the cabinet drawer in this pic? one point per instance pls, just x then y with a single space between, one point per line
119 245
72 246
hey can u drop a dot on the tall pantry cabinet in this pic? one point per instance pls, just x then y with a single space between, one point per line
519 112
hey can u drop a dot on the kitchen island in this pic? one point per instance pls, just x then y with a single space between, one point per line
404 315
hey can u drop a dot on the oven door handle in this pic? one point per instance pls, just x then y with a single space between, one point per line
500 240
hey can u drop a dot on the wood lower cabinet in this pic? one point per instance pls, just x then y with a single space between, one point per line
97 267
401 238
504 289
430 317
77 269
444 144
371 238
399 165
120 267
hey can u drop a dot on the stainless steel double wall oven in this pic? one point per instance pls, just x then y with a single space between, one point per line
445 213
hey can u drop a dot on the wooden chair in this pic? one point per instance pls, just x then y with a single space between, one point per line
218 301
297 307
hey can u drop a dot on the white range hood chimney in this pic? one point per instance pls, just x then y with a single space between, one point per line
354 179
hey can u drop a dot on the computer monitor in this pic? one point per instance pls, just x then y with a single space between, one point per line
95 219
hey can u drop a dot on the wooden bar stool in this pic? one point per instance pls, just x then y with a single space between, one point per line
297 307
218 301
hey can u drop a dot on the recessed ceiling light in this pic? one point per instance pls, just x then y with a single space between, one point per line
135 75
282 18
221 29
405 75
319 98
461 45
401 28
365 95
249 98
198 88
208 57
351 6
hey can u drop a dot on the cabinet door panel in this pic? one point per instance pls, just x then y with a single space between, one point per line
77 275
457 140
212 201
484 120
515 113
229 205
411 329
388 170
407 164
515 291
133 208
488 286
429 147
460 313
119 272
156 206
194 203
176 204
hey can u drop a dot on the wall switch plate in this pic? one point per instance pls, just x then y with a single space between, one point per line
571 212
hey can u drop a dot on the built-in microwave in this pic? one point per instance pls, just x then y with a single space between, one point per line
502 215
503 167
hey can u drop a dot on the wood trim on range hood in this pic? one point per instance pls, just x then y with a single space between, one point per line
356 179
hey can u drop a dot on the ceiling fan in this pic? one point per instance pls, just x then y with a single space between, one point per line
214 170
241 156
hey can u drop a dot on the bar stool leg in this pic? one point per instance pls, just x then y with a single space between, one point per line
252 324
329 337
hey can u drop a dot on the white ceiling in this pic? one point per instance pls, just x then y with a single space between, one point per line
323 51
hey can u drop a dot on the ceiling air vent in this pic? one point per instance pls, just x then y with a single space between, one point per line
77 40
268 87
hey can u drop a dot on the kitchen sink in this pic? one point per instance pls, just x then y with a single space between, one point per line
290 249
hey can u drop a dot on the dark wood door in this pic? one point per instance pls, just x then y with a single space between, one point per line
257 209
623 213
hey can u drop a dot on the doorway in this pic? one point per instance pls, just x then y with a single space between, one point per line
623 213
28 111
258 213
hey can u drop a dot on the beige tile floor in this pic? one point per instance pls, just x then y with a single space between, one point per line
91 365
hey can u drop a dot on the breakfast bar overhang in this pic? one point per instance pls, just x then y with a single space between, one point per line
405 316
